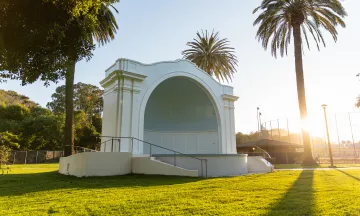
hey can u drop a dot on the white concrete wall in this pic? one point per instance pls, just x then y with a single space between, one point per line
115 163
257 164
96 164
217 165
129 84
184 142
110 116
146 165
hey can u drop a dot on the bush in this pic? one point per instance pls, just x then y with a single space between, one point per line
4 154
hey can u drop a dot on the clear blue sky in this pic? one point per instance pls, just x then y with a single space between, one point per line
152 31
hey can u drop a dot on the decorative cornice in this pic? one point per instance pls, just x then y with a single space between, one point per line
123 64
117 74
229 97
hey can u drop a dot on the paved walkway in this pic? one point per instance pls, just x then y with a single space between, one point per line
300 169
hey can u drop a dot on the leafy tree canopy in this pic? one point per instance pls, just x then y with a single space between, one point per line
85 132
12 98
87 98
42 132
16 112
38 128
36 47
9 140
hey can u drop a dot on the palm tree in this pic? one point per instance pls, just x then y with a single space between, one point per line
104 32
213 55
303 19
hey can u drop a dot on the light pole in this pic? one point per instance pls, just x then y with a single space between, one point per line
327 134
337 131
279 130
258 117
261 134
352 135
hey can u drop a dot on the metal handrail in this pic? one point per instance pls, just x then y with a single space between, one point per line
265 152
112 144
82 148
151 144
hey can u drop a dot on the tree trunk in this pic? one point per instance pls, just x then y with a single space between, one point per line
69 108
308 158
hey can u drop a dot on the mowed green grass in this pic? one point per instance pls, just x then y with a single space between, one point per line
298 166
40 190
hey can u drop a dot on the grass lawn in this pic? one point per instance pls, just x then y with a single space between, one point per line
297 166
40 190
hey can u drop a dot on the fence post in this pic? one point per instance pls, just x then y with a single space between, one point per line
150 150
14 157
112 144
53 156
36 159
25 156
205 168
287 160
119 144
352 135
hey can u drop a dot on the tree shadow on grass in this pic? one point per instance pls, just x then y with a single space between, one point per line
299 199
356 178
19 184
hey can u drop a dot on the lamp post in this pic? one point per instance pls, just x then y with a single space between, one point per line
352 135
261 133
257 116
328 136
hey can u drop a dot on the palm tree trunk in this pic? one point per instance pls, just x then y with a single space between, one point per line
308 158
69 109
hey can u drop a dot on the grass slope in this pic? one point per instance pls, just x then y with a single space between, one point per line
39 190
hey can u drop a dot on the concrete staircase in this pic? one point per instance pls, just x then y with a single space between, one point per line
257 164
150 166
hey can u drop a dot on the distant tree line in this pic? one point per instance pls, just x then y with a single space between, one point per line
25 125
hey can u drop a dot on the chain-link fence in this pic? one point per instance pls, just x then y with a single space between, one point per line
344 132
32 157
41 156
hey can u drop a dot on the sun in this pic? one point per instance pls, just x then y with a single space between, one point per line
313 126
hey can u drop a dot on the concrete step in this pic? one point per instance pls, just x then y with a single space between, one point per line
257 164
151 166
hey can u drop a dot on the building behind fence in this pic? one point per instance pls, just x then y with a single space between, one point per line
344 136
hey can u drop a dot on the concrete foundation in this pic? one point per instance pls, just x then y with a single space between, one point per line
216 165
122 163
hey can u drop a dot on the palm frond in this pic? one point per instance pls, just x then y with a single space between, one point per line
107 25
213 55
278 17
